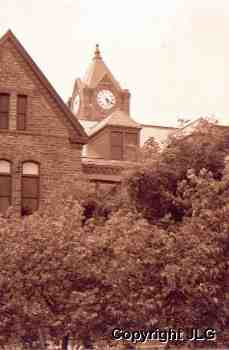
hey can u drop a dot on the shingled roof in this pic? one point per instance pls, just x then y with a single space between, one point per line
117 118
81 136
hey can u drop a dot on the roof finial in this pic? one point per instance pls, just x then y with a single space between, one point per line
97 53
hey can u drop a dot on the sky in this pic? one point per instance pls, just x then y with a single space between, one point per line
172 55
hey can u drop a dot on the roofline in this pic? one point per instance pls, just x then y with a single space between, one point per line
112 126
200 118
107 162
159 126
41 77
222 126
191 122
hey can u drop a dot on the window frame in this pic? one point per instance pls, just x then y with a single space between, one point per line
10 177
18 115
131 133
7 112
125 144
29 176
117 146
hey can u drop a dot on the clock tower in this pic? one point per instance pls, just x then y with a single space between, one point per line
98 94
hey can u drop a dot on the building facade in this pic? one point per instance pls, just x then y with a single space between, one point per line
41 141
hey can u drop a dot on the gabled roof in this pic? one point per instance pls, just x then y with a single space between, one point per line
98 71
117 118
81 136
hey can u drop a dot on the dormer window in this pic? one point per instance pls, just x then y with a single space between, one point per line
21 112
123 145
4 111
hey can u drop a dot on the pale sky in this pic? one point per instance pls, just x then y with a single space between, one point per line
172 55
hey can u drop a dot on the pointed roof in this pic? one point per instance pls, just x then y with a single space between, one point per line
79 85
97 71
81 136
117 118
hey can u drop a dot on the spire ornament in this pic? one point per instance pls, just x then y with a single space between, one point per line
97 53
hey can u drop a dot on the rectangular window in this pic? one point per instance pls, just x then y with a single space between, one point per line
116 145
4 111
5 185
131 146
132 139
21 111
30 194
5 192
30 187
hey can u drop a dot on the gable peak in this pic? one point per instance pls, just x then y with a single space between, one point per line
80 135
8 35
97 70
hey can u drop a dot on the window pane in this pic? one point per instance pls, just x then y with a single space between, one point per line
21 104
21 111
4 121
30 187
4 204
29 205
116 138
131 154
5 186
30 168
20 122
116 152
131 139
4 167
4 103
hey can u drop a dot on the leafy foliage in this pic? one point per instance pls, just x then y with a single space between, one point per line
153 254
153 186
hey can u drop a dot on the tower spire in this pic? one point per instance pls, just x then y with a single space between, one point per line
97 55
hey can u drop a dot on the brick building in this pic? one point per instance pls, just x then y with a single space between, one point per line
41 140
45 141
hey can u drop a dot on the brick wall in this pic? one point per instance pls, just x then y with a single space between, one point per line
46 138
58 160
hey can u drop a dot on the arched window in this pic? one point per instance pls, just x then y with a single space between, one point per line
30 187
5 185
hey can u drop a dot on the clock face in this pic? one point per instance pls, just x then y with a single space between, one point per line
76 104
106 99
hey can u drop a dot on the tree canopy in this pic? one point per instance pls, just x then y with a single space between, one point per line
153 254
